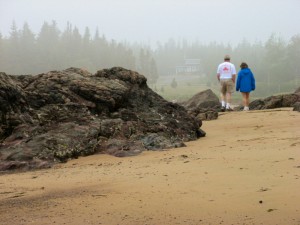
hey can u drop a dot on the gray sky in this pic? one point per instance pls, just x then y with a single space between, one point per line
149 21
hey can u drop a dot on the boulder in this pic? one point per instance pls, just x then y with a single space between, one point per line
278 101
296 107
204 105
59 115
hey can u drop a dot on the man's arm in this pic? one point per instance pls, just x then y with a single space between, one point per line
218 76
233 73
233 77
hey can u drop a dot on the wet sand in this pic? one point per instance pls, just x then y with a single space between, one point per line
245 171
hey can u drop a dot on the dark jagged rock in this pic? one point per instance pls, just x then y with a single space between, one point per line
278 101
55 116
204 105
296 107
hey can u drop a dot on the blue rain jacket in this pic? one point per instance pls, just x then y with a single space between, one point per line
245 81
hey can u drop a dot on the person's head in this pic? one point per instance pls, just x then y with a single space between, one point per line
227 58
244 65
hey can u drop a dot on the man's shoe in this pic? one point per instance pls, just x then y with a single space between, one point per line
229 109
222 109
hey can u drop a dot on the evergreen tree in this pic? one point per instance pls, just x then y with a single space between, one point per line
2 63
100 54
67 45
275 63
50 55
13 49
86 43
153 73
85 60
75 48
147 65
293 59
142 61
27 50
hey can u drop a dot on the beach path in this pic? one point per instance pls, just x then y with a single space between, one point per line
245 171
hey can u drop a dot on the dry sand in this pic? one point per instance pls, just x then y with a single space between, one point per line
245 171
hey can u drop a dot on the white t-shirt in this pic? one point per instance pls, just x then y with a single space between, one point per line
226 70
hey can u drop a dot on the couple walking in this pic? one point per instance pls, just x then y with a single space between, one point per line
226 75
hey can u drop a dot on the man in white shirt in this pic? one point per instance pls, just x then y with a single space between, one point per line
226 75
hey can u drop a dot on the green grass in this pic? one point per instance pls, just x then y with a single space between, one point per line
187 86
181 92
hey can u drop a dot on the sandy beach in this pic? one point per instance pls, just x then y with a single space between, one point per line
245 171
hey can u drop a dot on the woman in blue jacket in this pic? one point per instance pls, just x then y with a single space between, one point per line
245 84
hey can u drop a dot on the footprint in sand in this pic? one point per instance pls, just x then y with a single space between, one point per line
258 127
295 144
263 189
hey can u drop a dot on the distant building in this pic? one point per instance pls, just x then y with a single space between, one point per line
191 66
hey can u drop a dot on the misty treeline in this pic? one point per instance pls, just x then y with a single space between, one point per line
24 52
275 63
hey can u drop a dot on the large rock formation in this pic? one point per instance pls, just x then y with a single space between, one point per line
58 115
204 105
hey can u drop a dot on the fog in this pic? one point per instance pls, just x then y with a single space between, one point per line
149 21
156 38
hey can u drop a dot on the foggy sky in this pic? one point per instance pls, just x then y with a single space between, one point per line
149 21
